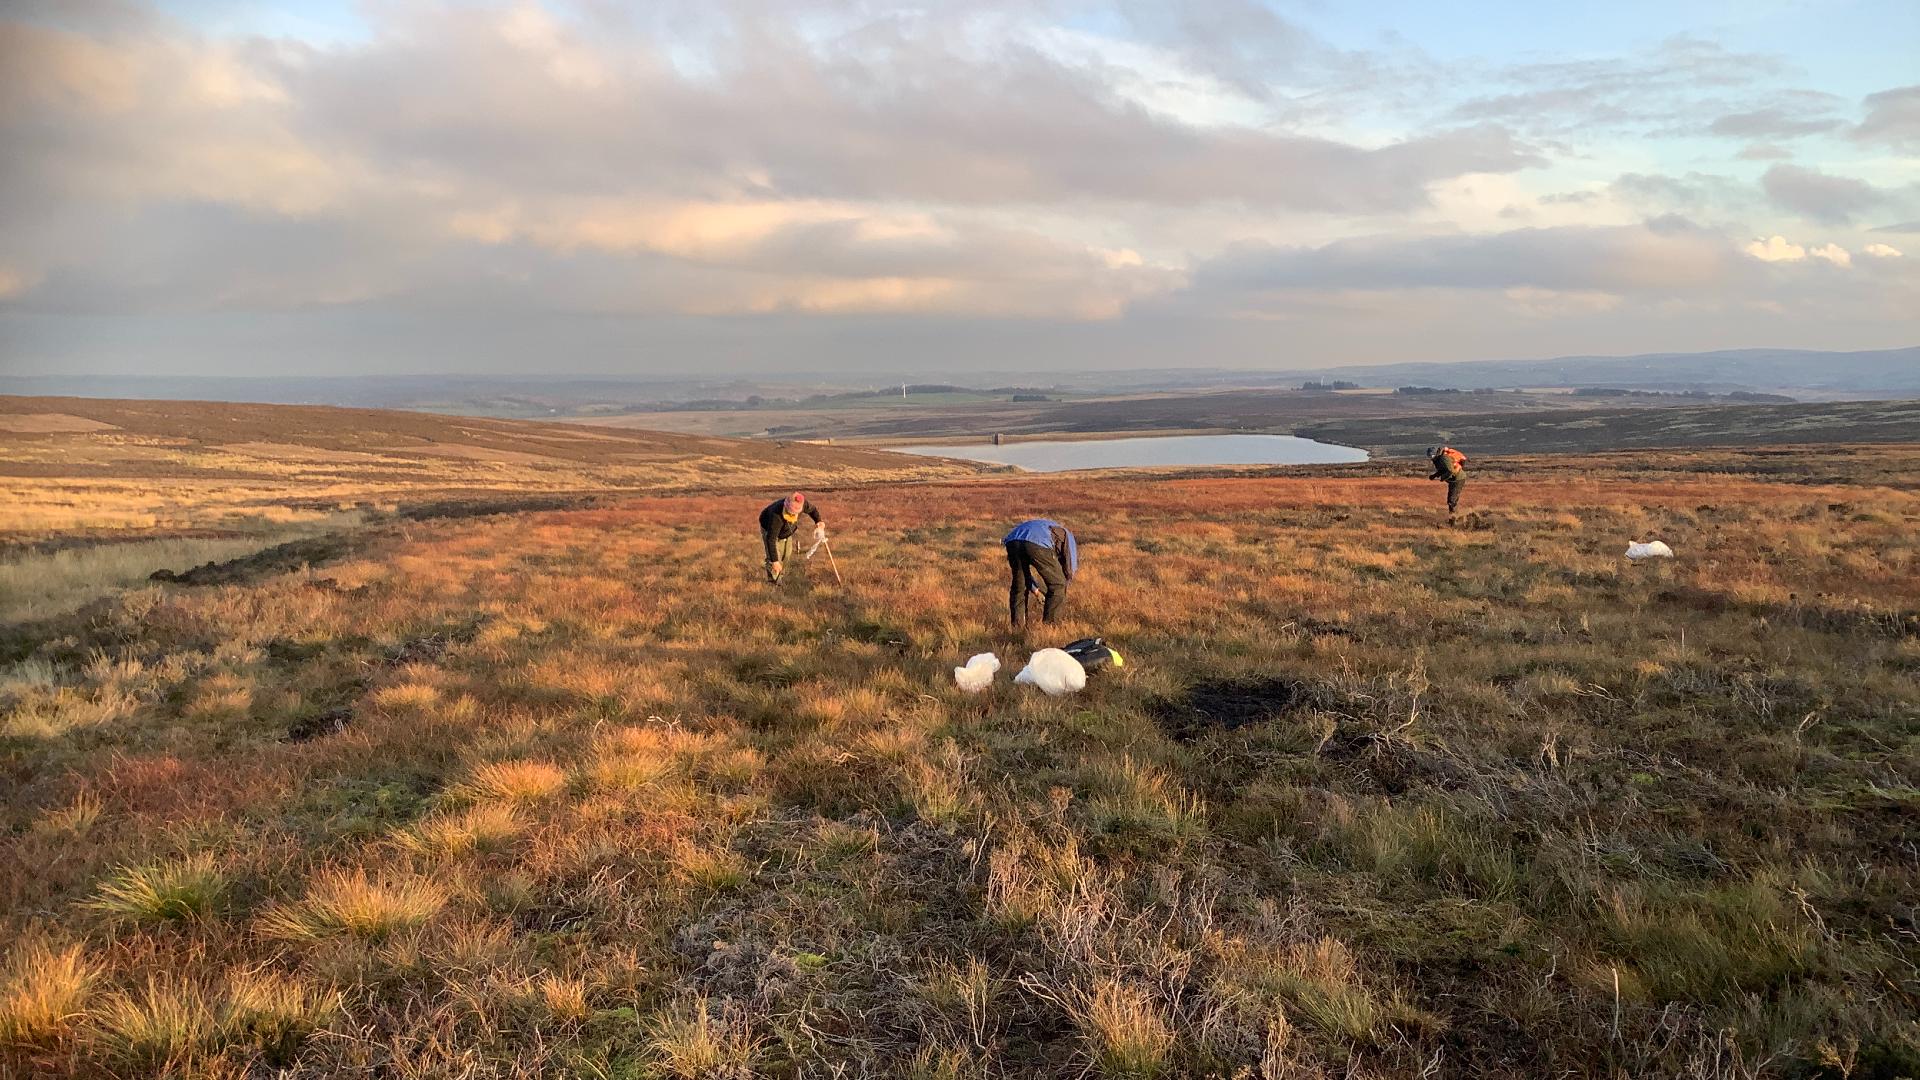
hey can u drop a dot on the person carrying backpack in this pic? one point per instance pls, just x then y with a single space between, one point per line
1449 465
1040 552
778 524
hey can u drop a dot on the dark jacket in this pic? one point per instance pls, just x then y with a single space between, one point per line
775 526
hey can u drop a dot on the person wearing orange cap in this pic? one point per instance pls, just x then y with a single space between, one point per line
778 524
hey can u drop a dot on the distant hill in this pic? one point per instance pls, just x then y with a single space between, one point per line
1569 432
121 464
1885 373
1879 373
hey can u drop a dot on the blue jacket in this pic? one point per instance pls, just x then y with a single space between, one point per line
1041 531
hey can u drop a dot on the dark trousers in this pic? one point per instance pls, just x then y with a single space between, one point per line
1028 561
1454 484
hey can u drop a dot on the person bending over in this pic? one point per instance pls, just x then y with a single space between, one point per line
1449 465
778 524
1040 553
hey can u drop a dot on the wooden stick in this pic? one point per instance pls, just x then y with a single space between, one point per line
832 562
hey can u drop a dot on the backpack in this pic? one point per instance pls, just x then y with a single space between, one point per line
1093 653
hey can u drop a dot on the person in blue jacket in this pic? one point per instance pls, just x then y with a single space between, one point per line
1044 550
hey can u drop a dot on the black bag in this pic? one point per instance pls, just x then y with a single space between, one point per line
1093 653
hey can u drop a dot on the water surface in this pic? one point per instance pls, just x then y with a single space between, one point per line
1052 456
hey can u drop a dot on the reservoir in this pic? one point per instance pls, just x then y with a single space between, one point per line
1059 456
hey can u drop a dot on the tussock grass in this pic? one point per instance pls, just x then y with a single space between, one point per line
517 781
42 990
604 803
166 1021
692 1040
709 867
486 829
1320 981
354 903
77 818
1133 802
1126 1033
563 998
275 1012
191 887
407 697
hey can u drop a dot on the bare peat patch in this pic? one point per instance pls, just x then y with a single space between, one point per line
1229 705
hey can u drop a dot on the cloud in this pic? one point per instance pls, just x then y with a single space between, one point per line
1764 152
895 164
1771 123
1776 249
1696 193
907 111
1818 196
1883 251
1681 87
704 180
1657 257
1893 119
16 282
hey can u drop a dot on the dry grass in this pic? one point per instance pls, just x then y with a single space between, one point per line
192 887
517 781
165 1022
1371 797
352 902
690 1041
43 990
40 585
275 1012
1127 1035
478 830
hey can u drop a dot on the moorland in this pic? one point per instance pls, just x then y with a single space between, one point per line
570 790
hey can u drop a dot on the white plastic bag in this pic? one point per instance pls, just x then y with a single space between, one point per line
977 675
1655 549
1054 671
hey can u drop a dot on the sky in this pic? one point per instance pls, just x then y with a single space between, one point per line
785 187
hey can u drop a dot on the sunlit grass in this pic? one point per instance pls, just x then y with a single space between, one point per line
42 990
355 903
190 887
595 800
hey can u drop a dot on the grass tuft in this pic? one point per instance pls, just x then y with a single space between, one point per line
691 1042
42 991
710 868
563 998
352 903
191 887
517 781
276 1012
479 830
1126 1034
164 1022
